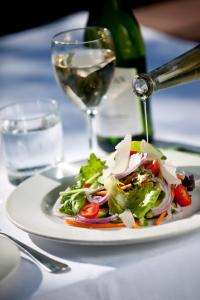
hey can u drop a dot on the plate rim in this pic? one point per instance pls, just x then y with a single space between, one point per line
164 231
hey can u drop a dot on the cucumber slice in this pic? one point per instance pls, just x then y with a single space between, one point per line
103 212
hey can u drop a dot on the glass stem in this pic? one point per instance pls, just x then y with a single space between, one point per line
90 116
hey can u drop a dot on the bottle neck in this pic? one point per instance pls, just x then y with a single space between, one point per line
183 69
110 6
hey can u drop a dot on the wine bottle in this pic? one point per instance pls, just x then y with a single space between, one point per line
180 70
121 112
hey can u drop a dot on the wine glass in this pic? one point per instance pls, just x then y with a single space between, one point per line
84 63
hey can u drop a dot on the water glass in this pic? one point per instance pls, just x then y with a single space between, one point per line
31 134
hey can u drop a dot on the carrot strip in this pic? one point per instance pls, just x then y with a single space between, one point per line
86 185
128 179
101 193
160 218
97 190
125 187
172 193
136 225
86 225
121 184
70 222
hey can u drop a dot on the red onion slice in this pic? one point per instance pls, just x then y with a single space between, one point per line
136 160
80 219
166 202
97 199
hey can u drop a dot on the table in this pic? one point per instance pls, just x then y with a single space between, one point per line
167 269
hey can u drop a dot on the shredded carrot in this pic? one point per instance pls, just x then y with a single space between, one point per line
128 179
86 185
107 225
172 193
136 225
125 187
101 193
160 218
121 184
86 225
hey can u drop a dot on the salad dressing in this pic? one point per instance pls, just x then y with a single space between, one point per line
146 120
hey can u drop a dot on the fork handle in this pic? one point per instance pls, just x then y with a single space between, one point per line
49 264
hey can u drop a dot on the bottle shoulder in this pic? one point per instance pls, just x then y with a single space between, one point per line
127 37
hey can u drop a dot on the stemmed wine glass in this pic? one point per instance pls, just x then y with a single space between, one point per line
84 63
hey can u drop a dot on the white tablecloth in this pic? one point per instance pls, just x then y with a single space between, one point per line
166 269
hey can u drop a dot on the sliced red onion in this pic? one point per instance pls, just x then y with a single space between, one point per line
166 202
80 219
97 199
136 160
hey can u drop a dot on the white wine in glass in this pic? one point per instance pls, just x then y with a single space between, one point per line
84 64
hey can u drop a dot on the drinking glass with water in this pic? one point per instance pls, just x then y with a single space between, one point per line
32 140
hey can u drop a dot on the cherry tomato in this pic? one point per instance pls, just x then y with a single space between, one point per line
86 185
182 196
90 210
153 166
133 152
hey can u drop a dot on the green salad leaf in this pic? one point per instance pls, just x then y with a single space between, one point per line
142 198
139 200
73 198
117 198
136 146
90 172
72 203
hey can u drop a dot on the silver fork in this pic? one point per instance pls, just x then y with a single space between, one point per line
39 258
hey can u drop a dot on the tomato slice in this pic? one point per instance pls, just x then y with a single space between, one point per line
86 185
182 196
153 166
133 152
90 210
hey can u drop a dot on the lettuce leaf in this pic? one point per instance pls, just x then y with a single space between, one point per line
117 198
136 146
72 203
142 198
90 172
139 200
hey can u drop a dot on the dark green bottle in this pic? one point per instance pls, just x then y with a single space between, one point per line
121 112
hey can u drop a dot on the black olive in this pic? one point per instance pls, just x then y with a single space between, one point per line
192 183
189 182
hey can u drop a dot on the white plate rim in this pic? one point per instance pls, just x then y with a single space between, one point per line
48 227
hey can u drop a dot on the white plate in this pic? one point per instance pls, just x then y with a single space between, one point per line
30 208
9 257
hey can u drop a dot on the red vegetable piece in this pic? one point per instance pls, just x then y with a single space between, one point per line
153 166
86 185
133 152
90 210
182 196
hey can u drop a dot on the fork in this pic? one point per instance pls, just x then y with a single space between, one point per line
47 263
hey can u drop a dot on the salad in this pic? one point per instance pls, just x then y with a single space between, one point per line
136 186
